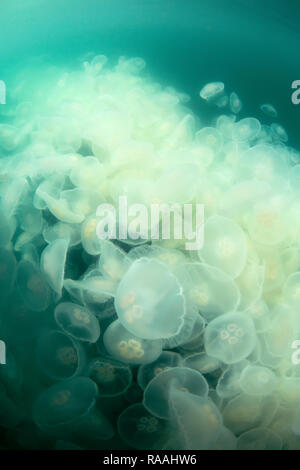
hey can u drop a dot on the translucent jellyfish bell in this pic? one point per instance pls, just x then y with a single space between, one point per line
225 245
246 130
89 239
259 439
258 380
77 321
157 392
279 132
62 230
269 110
33 286
230 337
210 137
196 419
113 262
126 347
149 301
211 90
167 360
113 378
202 363
262 162
62 406
53 260
291 290
59 356
228 385
141 430
212 290
235 103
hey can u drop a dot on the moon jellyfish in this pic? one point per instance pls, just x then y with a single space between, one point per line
202 363
245 412
59 356
281 332
60 408
260 314
211 90
269 110
126 347
210 137
112 377
291 290
157 392
77 321
113 262
149 301
139 429
235 103
60 230
167 360
212 290
258 380
53 261
259 439
33 286
251 281
246 129
228 385
279 132
230 337
89 239
225 245
195 418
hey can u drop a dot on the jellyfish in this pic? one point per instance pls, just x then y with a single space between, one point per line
210 137
225 245
33 286
53 261
228 385
246 130
225 125
259 439
211 90
230 337
77 321
59 356
113 262
62 230
113 378
235 103
141 430
259 311
258 380
291 290
202 363
157 393
7 226
149 301
89 239
251 281
60 408
269 110
279 132
126 347
196 419
212 290
50 187
167 360
281 333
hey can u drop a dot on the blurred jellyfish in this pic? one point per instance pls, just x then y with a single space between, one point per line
53 261
113 378
269 110
32 286
139 429
246 130
77 321
259 439
211 90
258 380
59 356
202 363
235 103
225 245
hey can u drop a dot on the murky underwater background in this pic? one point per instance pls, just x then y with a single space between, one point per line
253 49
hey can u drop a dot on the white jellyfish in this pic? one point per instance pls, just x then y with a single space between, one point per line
230 337
225 245
77 321
235 103
53 261
212 90
149 300
258 380
246 130
269 110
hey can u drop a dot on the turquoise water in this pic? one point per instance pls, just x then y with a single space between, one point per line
82 367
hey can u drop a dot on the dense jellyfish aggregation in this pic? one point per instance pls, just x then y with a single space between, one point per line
116 337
